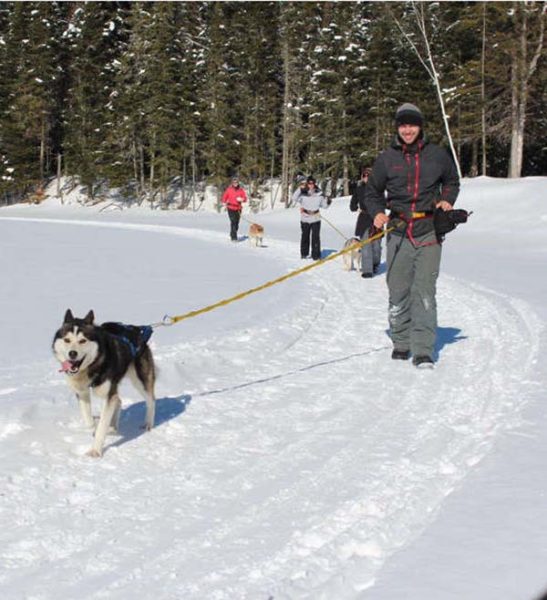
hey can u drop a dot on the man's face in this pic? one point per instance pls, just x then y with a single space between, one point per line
408 133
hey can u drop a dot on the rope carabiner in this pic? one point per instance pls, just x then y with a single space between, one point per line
167 321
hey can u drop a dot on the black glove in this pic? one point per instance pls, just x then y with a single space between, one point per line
446 220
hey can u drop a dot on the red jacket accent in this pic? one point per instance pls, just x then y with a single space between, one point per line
233 197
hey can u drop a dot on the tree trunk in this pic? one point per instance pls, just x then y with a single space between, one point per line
345 162
59 171
151 178
459 141
483 90
194 172
285 155
474 158
272 173
141 168
42 151
377 138
515 159
135 167
152 175
521 72
183 184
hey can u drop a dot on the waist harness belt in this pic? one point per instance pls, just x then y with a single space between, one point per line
413 216
409 220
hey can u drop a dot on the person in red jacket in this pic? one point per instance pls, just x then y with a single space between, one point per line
233 199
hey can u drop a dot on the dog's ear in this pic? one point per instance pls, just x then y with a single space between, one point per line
69 317
89 318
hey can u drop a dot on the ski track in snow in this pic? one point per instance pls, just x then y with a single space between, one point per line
291 458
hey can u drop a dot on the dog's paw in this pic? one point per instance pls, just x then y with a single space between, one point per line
93 453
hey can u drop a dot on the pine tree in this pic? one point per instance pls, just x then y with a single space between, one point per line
257 88
94 34
191 70
338 100
31 91
217 99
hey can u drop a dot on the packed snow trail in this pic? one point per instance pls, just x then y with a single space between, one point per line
291 457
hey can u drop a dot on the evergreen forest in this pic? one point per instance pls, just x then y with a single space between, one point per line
142 96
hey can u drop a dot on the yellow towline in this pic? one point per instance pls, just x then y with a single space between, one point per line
171 320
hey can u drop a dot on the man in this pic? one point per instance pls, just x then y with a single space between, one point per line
418 177
233 198
311 200
371 253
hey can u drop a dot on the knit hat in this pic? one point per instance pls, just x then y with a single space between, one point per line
408 114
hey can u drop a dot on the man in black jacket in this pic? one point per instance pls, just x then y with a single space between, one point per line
371 253
418 177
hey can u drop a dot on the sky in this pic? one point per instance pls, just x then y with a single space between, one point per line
291 458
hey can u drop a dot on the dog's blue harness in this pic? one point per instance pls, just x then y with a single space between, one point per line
140 334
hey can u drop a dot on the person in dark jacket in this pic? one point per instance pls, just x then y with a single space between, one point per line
371 253
418 177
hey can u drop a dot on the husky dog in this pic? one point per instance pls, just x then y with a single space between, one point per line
256 233
97 357
352 259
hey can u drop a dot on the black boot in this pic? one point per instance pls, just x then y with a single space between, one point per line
400 354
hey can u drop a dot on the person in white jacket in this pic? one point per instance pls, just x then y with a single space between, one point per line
311 201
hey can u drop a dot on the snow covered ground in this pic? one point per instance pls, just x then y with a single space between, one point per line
292 459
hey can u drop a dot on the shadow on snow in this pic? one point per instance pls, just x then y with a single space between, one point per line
132 417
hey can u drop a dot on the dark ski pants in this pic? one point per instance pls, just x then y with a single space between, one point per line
371 254
412 273
362 225
234 215
310 229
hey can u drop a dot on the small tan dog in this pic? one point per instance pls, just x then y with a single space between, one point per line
352 260
256 233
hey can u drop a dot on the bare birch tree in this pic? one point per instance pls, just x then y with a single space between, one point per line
425 56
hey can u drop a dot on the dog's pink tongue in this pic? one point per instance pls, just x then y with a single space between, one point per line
65 366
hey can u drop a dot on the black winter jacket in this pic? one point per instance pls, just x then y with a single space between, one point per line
358 197
364 220
415 178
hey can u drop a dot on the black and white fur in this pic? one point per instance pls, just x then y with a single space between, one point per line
94 357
